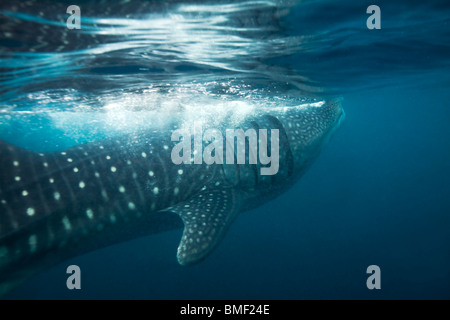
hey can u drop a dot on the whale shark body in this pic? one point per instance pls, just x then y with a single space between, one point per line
54 206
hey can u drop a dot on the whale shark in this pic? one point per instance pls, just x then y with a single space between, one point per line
57 205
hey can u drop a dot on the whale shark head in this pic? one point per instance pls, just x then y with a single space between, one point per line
308 127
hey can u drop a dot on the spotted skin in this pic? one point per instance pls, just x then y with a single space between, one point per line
58 205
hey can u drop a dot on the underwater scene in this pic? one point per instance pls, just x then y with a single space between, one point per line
204 150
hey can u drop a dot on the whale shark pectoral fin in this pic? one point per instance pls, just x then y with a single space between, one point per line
206 219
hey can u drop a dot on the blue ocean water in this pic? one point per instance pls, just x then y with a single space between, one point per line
379 194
